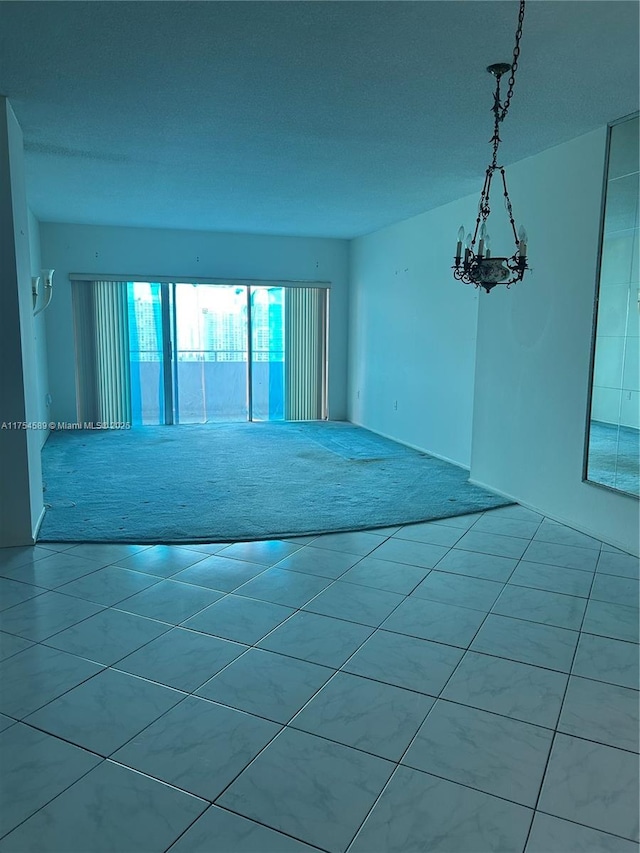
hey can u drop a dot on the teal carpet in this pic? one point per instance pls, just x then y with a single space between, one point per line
232 482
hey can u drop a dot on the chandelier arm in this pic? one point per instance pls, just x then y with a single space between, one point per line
483 207
514 64
507 202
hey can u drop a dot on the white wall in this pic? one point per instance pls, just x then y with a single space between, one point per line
147 253
412 338
21 478
532 360
412 334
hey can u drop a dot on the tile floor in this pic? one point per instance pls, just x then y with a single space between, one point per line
469 685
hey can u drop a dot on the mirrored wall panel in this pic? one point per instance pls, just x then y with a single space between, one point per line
613 440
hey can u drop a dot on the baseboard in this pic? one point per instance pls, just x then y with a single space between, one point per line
412 446
560 519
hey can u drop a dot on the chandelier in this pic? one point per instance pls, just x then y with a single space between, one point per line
477 266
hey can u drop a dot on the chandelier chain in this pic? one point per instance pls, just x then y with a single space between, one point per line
514 64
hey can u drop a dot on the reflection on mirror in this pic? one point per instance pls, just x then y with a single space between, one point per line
613 440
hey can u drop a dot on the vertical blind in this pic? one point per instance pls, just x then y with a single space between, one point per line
305 353
102 351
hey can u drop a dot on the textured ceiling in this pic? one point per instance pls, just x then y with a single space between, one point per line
305 118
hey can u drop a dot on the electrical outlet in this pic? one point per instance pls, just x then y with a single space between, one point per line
395 405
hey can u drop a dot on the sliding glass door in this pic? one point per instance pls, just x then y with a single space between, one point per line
170 353
210 354
267 353
147 362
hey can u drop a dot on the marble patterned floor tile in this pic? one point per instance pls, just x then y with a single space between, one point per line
521 513
317 639
462 522
565 556
460 590
560 534
291 589
518 690
37 675
311 788
494 544
266 553
405 662
298 540
601 712
603 659
368 715
220 573
161 560
553 835
592 784
57 546
21 555
616 590
385 575
105 552
111 809
360 604
484 566
181 659
537 605
552 578
611 620
504 526
266 684
5 722
198 746
358 543
108 636
46 615
432 620
411 553
526 642
15 592
206 547
169 601
105 712
220 831
53 570
319 561
419 812
490 753
243 620
615 563
35 768
389 530
10 645
431 533
108 586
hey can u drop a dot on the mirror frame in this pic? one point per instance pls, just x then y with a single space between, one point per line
596 304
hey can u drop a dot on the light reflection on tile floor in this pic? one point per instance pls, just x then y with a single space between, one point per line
468 685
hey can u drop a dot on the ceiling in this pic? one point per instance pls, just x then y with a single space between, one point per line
327 119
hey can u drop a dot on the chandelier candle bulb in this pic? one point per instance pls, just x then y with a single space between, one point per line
467 249
522 245
459 244
487 246
483 234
